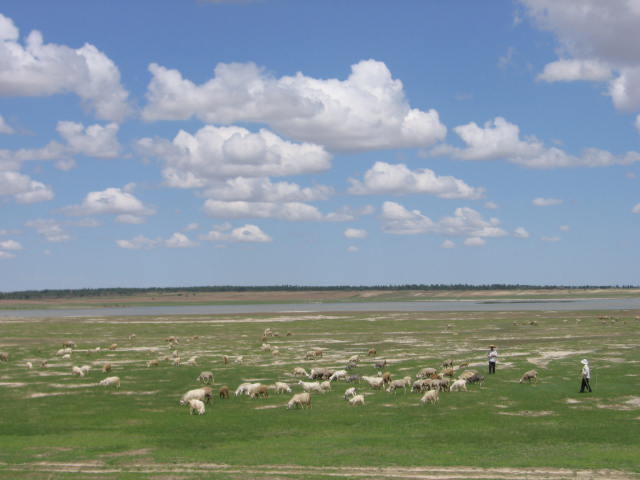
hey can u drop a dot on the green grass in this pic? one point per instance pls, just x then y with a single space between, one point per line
501 424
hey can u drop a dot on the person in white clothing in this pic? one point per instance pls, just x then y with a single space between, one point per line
586 376
493 358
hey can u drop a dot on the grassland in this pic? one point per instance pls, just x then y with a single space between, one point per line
57 426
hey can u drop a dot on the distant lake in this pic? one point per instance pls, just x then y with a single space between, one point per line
417 306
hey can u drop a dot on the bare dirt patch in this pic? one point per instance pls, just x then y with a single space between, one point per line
529 413
625 403
545 357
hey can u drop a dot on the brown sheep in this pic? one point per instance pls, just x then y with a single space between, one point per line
106 367
113 346
372 352
260 391
386 378
4 357
224 392
529 376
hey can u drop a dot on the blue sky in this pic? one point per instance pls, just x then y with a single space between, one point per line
175 143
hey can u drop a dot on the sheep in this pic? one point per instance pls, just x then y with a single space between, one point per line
68 344
113 346
300 372
326 385
203 394
85 369
442 384
372 352
321 373
282 387
426 372
458 385
66 356
176 361
477 378
529 376
132 336
239 359
77 371
153 363
380 364
44 363
196 406
205 377
301 400
192 362
224 392
110 382
431 396
64 351
171 339
310 355
338 374
225 359
243 388
350 392
447 364
275 351
259 390
311 386
354 378
396 384
448 372
463 364
386 378
354 359
267 332
356 400
29 365
318 353
374 382
467 374
265 347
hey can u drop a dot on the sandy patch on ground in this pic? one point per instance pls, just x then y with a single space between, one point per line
266 407
625 403
48 394
545 357
529 413
209 470
12 384
572 401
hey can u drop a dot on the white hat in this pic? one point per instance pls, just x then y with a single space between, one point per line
584 361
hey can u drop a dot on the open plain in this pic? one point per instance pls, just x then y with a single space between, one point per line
59 425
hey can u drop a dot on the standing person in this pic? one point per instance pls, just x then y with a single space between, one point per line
493 358
586 376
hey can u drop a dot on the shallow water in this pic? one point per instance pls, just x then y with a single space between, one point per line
417 306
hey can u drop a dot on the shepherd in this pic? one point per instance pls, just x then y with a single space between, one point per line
586 376
493 358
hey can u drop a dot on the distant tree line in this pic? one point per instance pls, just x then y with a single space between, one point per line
112 292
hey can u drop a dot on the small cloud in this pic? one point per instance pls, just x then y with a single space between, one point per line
475 242
550 239
546 202
631 175
191 227
353 249
355 233
246 234
10 245
448 244
138 243
507 58
565 228
5 127
49 229
131 219
636 209
520 232
179 240
6 255
491 205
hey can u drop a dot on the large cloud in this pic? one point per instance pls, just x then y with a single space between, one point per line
23 188
500 139
384 178
465 222
598 40
366 111
263 190
39 69
217 153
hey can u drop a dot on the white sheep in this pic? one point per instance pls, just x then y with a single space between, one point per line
66 356
85 369
243 388
77 371
205 377
357 400
299 400
110 382
338 375
432 396
353 359
29 365
458 385
311 386
529 376
396 384
300 372
196 406
374 382
426 372
203 394
325 386
281 387
350 392
63 351
192 362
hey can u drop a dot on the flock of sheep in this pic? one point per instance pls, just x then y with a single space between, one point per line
429 381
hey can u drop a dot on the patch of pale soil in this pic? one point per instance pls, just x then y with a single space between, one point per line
48 394
151 392
12 384
129 453
178 470
572 401
547 356
631 403
529 413
266 407
73 385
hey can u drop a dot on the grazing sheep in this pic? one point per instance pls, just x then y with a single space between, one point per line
243 388
477 378
239 359
259 391
196 406
110 382
354 359
265 347
380 364
350 392
386 378
326 385
354 378
318 353
176 361
442 384
224 392
113 346
337 375
29 365
275 352
225 359
61 352
132 336
77 371
205 377
372 352
467 374
267 332
529 376
300 372
447 364
85 369
68 344
281 387
192 362
374 382
426 372
171 339
301 400
44 363
311 386
66 356
463 364
203 394
153 363
356 400
310 355
321 373
431 396
458 385
396 384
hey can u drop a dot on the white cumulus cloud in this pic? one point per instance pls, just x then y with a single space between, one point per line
23 188
109 201
521 232
355 233
5 127
41 69
546 202
290 211
448 244
368 110
50 229
179 240
384 178
139 242
263 190
574 70
475 242
245 234
10 245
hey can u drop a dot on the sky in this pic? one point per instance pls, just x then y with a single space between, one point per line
180 143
